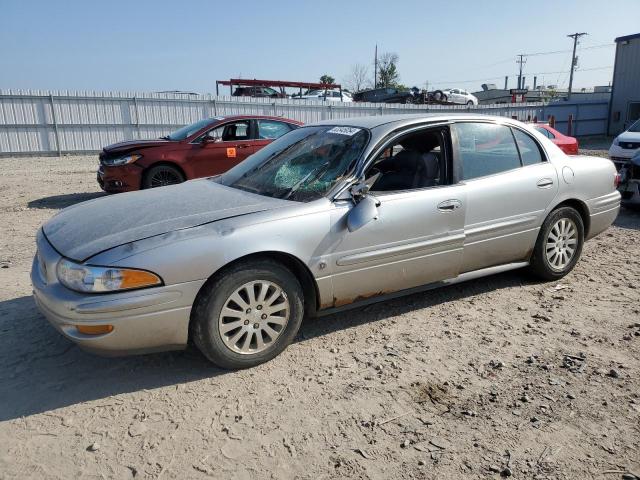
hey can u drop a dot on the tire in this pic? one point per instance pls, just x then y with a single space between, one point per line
470 103
162 175
238 346
548 260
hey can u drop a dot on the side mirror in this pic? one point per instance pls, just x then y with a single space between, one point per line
364 211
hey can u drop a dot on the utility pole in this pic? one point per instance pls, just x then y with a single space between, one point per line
575 37
375 68
522 60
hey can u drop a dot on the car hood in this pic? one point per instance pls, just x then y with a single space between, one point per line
83 230
629 137
123 147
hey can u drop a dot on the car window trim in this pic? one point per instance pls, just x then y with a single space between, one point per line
448 157
543 155
543 152
224 124
353 176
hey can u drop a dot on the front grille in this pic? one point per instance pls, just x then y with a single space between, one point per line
629 145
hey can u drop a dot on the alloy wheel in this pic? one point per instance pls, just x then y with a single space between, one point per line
163 178
253 317
561 244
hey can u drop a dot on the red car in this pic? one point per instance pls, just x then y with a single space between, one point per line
207 147
568 145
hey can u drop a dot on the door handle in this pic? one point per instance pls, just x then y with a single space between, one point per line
544 183
243 146
449 205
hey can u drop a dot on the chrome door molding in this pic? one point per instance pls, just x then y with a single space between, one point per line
430 245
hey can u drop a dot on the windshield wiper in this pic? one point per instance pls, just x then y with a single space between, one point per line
166 137
308 178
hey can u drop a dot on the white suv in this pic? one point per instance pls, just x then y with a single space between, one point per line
625 145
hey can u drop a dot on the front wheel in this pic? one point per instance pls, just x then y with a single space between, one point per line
559 244
248 314
470 103
161 176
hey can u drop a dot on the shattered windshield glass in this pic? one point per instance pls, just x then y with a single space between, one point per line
302 165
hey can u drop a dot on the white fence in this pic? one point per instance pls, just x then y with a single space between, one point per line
57 122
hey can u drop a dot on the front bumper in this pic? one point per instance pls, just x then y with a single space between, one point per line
148 320
123 178
619 155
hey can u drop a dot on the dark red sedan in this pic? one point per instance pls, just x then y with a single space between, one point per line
568 145
207 147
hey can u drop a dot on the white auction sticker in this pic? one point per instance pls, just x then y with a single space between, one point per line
350 131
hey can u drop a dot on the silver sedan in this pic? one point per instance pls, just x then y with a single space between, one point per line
330 216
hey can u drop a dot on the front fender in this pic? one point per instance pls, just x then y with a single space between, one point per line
302 231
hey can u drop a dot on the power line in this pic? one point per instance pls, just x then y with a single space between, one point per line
592 47
534 73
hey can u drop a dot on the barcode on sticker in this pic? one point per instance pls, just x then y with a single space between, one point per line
344 130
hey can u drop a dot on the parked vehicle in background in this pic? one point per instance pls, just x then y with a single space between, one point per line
625 145
207 147
329 95
343 211
383 95
630 182
259 92
567 144
457 95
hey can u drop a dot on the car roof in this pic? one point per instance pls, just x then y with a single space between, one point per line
226 118
401 120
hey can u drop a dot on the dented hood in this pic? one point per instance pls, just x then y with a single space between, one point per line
85 229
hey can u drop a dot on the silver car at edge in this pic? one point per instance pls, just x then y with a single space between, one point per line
330 216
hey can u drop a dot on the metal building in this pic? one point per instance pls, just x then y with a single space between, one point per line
625 96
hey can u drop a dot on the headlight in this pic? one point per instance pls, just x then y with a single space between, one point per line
113 162
91 279
616 142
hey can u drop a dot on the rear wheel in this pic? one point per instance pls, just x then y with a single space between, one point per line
559 244
248 315
161 176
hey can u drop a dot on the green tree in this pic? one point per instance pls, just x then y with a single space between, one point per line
327 79
388 75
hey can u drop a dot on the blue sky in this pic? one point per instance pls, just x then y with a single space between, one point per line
162 45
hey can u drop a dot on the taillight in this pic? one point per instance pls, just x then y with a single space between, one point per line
616 180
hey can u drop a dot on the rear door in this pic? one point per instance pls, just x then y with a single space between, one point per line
221 148
509 187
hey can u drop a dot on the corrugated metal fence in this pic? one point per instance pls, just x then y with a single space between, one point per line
57 122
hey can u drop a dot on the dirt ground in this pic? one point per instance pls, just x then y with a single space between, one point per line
501 376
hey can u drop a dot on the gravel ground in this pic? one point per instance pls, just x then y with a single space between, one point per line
496 377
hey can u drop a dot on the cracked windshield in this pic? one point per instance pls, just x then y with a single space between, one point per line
303 165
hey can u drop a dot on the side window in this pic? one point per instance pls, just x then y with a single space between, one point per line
271 129
529 151
417 160
229 132
542 131
486 149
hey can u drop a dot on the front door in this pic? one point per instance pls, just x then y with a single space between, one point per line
418 235
417 239
221 148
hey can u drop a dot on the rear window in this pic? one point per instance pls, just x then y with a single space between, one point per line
486 149
271 129
529 151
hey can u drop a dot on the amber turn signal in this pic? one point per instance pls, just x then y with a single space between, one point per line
94 329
